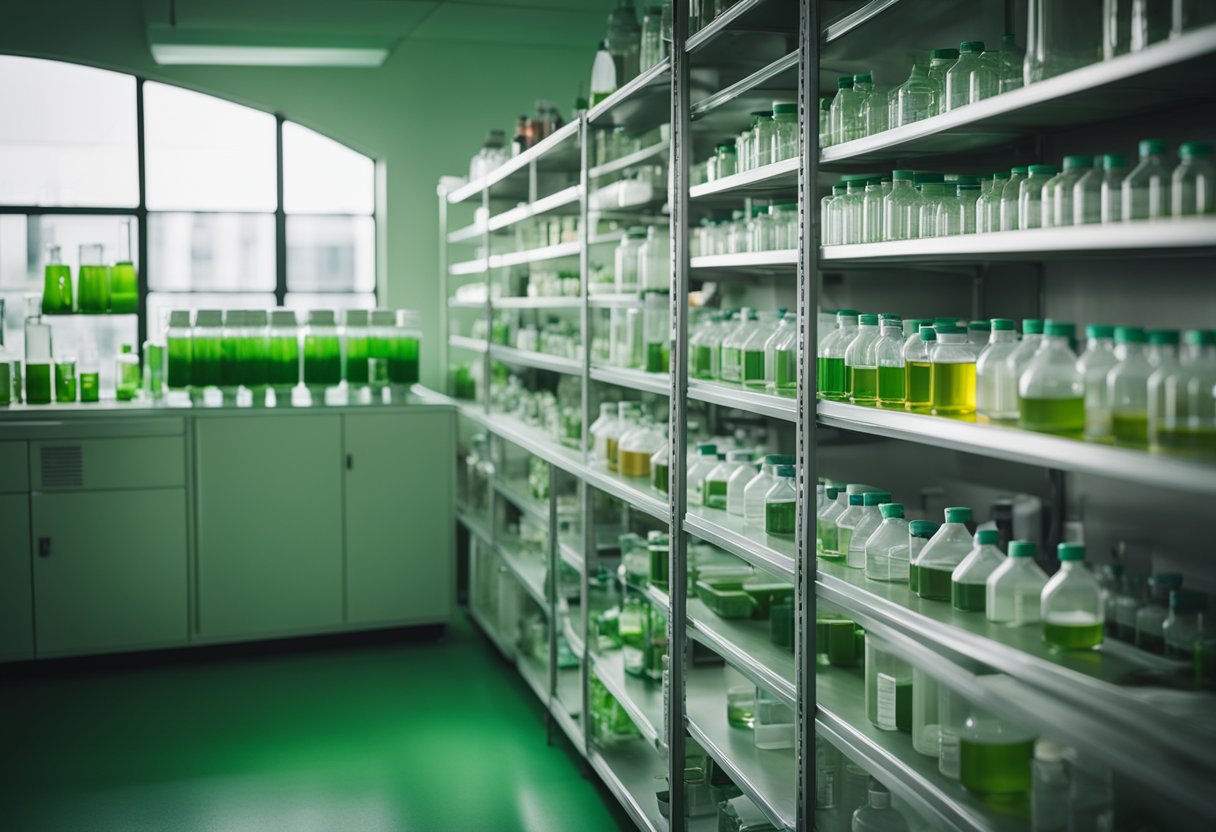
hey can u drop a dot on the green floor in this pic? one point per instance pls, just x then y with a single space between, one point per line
424 736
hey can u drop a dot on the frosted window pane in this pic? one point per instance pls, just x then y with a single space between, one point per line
67 135
207 154
321 176
331 254
211 252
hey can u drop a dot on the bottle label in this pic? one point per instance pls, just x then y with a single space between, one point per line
886 702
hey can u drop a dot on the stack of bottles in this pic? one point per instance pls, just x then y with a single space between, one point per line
771 137
616 142
766 227
545 231
759 488
558 414
756 350
1133 387
99 288
629 47
629 442
1158 615
909 205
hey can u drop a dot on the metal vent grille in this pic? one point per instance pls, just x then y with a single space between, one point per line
63 467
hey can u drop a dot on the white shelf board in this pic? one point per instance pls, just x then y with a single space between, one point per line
468 234
466 267
528 210
783 260
776 555
537 360
534 255
538 303
627 161
659 383
631 771
535 675
657 75
641 698
465 343
745 644
636 493
778 177
523 501
529 571
744 398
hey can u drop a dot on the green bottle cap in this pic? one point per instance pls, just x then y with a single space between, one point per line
949 329
890 510
786 471
825 103
125 348
1093 331
784 108
1077 162
779 459
1019 171
903 175
987 537
928 333
890 316
980 326
971 46
1195 150
857 499
867 319
1200 337
1059 329
958 514
943 54
1164 337
1000 174
1130 335
863 78
1071 551
1043 170
1022 548
846 315
927 177
1002 324
844 82
1151 147
922 528
876 498
707 449
1032 326
832 492
1113 161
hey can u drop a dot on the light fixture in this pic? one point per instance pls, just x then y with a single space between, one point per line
231 47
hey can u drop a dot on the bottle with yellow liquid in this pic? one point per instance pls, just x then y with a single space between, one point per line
952 373
1071 604
1051 391
636 447
918 372
1127 387
859 361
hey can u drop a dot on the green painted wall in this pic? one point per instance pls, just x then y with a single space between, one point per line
423 113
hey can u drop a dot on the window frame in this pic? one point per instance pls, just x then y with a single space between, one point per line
140 211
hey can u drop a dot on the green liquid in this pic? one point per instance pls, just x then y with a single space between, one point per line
753 368
65 381
903 707
124 289
741 715
825 537
913 577
953 388
1072 636
702 362
1052 415
919 384
833 381
995 768
402 364
90 387
863 381
731 366
178 370
658 357
658 476
844 536
6 383
283 369
1130 428
837 639
969 597
785 371
154 368
253 361
57 289
38 383
356 360
323 361
230 357
933 584
891 387
779 517
94 289
713 494
205 364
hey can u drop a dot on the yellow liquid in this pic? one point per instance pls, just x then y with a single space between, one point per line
1130 428
864 384
612 453
634 464
919 385
953 388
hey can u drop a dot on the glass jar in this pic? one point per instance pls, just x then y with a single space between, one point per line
127 375
283 364
57 283
832 375
780 503
626 259
208 350
322 354
93 290
355 347
784 131
867 523
1051 392
725 161
599 433
1013 590
952 373
1071 605
65 380
886 550
859 361
713 492
1059 207
781 358
994 756
178 350
255 355
932 570
657 323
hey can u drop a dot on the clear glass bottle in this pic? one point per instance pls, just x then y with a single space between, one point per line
849 211
1150 618
731 366
624 40
889 357
959 216
920 532
916 98
706 460
124 281
178 349
1181 628
876 111
653 49
886 550
1030 195
832 233
1193 182
833 376
1015 586
1061 36
878 815
127 375
933 200
781 358
283 368
1184 419
780 503
836 500
1058 194
626 259
994 756
888 687
1009 199
859 361
1051 391
736 484
1087 194
969 581
867 523
958 76
713 490
1094 365
988 206
757 488
985 79
846 521
844 114
1072 603
39 357
1146 190
784 144
1127 387
931 572
872 211
952 373
1048 789
901 208
753 361
636 447
603 75
918 370
940 61
926 721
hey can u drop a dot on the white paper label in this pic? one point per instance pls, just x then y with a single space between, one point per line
886 702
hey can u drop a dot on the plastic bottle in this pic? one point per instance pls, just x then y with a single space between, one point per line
603 74
127 376
636 447
1072 603
994 756
1114 171
958 76
960 216
780 503
1061 35
886 550
731 362
1150 618
1182 415
627 416
926 721
1094 364
850 210
830 217
1048 789
901 208
1009 199
867 523
991 369
876 112
932 199
940 61
863 90
1019 358
781 358
713 492
1030 195
872 211
832 374
624 40
1193 182
952 373
931 572
988 206
859 361
706 460
1116 28
736 483
918 370
758 487
916 98
1146 190
1087 194
1127 387
660 468
1163 355
846 521
843 114
888 687
1013 58
836 501
878 815
985 80
1051 391
968 583
889 356
784 144
1014 588
283 362
1128 602
1058 193
1181 628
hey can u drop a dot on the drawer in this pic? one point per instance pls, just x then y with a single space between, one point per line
105 464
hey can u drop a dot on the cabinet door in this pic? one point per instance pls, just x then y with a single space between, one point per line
399 517
109 570
16 600
269 503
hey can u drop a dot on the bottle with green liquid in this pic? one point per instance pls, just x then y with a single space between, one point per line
38 357
860 362
179 348
867 523
847 520
833 376
253 355
283 364
952 373
124 283
356 347
731 362
89 378
836 501
1127 387
207 351
780 503
931 573
230 353
888 687
920 532
403 365
127 376
1071 605
781 358
994 756
918 371
57 284
969 581
322 354
1051 390
380 349
93 289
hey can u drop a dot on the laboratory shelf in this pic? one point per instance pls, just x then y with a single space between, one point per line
536 360
743 398
634 492
633 772
559 302
627 161
641 698
783 261
614 300
642 102
476 527
554 151
1028 447
571 556
564 198
491 633
523 501
746 645
656 597
529 570
569 724
577 646
745 16
730 106
771 553
1153 79
465 343
776 179
535 255
466 267
535 674
1165 237
454 303
840 719
768 777
837 29
467 234
658 383
531 439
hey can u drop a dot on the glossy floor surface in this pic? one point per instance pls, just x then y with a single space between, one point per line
424 735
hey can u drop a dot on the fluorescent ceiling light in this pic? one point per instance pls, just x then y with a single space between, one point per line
230 47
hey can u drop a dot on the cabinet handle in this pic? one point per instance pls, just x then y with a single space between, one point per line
44 547
350 462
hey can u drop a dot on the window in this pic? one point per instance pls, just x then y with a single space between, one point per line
210 216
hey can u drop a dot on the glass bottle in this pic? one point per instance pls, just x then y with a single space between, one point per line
1051 391
230 368
1013 58
1030 195
1181 628
940 61
65 379
89 377
784 144
780 503
1150 618
1061 36
178 350
1163 355
889 356
878 815
1071 604
757 488
867 523
916 98
1059 193
985 80
830 218
1193 182
1009 199
959 216
736 484
1094 365
876 111
994 756
930 574
1048 788
636 447
93 278
283 364
952 373
969 582
1015 586
660 469
208 350
713 491
124 285
1150 22
872 211
918 370
833 376
843 116
652 49
886 552
781 358
731 366
624 40
127 376
932 203
888 687
626 259
698 466
859 361
39 357
836 501
993 385
599 431
901 208
57 283
1146 190
628 414
1127 387
322 354
863 89
958 76
988 206
847 520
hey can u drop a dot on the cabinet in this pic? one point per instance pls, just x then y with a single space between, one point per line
399 493
16 606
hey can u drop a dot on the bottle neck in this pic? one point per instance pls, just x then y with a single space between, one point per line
880 800
1002 336
902 185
